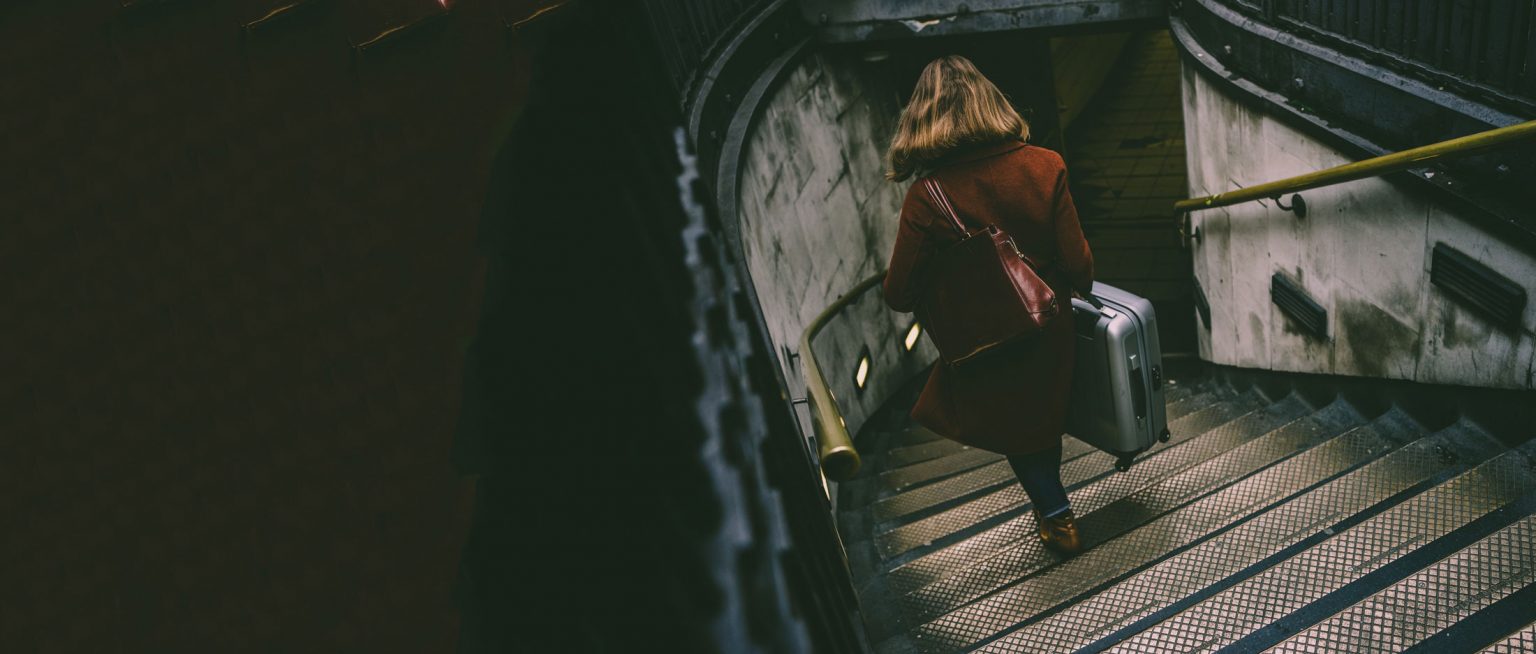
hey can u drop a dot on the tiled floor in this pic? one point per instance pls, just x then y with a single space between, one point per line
1126 156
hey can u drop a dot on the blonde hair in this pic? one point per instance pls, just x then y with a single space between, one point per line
953 104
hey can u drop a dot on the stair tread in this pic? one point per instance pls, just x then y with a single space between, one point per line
928 530
914 500
910 454
1114 488
918 498
928 471
1268 525
1327 566
1105 515
962 458
1522 641
1262 524
916 434
1431 599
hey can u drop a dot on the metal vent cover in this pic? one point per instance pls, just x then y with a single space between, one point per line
1480 288
1294 302
1202 305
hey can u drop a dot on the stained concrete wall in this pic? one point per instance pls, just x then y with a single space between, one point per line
1363 252
817 217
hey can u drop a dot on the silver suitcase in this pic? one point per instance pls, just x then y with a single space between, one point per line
1117 386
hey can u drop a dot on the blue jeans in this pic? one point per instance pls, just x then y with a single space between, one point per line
1040 475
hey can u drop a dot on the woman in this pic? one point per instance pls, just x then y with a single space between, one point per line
960 130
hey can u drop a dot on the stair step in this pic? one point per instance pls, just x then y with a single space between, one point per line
1011 499
1522 641
916 435
948 490
1150 476
965 458
997 474
1224 533
1106 517
1430 600
1185 405
1174 392
929 471
1341 558
958 486
905 456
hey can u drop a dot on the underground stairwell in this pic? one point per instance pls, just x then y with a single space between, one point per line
1276 517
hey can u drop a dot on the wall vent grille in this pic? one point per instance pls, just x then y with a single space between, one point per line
1294 302
1479 287
1202 305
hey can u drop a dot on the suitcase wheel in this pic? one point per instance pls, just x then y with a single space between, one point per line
1123 463
1163 437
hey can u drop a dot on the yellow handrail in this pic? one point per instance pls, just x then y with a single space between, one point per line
1366 168
839 460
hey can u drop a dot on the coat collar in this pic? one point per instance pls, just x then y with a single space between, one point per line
972 152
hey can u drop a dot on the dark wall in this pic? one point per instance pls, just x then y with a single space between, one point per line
239 278
1020 66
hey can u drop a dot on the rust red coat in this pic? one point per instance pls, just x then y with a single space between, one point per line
1012 400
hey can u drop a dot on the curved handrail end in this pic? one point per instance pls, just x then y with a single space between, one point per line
839 459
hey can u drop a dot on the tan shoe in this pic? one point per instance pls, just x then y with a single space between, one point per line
1059 533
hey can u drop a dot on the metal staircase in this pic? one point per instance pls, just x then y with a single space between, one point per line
1276 519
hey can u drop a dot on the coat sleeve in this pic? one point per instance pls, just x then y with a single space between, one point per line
914 248
1076 258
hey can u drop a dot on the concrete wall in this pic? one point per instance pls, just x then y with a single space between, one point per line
818 216
1363 252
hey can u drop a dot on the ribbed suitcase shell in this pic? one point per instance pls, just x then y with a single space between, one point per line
1117 386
